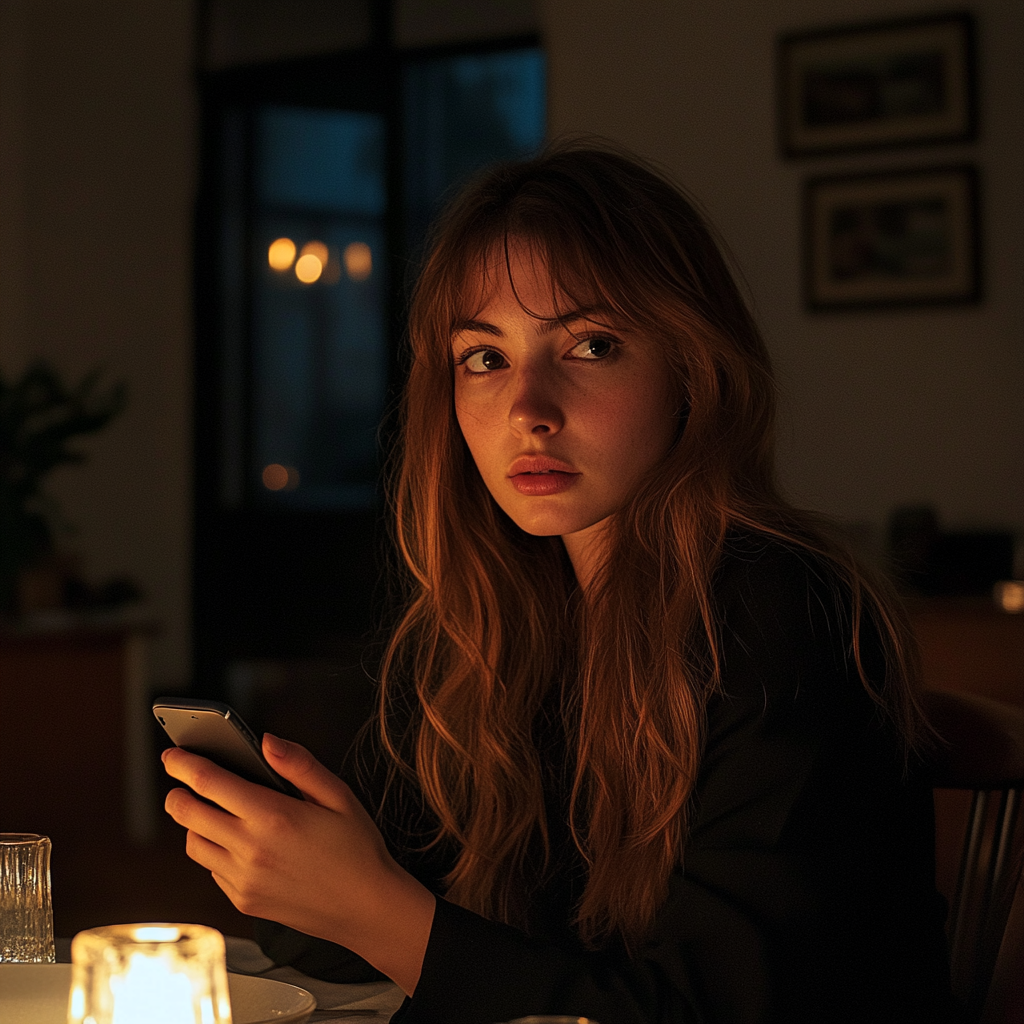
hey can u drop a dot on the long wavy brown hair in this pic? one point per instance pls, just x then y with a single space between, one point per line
494 619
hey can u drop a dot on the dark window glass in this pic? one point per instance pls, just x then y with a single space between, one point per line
306 196
464 112
319 355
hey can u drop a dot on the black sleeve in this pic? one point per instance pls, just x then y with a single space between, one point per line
807 890
316 957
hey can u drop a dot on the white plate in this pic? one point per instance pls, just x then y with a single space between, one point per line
38 994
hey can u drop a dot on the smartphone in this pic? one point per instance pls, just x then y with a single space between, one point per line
216 731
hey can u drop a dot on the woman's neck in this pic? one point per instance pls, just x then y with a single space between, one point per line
586 549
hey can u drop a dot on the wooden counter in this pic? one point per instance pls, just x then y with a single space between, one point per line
968 643
75 742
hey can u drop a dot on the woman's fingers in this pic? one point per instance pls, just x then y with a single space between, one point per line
207 853
317 783
319 865
200 817
236 795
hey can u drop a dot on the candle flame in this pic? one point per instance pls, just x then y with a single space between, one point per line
151 993
154 933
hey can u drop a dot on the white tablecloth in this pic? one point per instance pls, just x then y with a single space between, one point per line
375 1001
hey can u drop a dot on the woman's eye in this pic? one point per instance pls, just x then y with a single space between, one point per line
483 361
598 347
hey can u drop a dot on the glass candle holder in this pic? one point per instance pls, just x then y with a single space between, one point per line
26 917
149 974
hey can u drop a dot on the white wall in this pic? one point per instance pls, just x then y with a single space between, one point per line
97 132
880 408
97 167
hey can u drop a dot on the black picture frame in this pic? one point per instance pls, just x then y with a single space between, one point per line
895 83
902 238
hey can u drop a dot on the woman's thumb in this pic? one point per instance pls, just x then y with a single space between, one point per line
295 763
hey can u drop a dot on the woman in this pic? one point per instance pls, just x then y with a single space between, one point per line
646 741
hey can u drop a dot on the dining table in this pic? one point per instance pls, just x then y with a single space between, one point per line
374 1001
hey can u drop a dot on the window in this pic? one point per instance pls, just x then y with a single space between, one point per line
319 352
320 178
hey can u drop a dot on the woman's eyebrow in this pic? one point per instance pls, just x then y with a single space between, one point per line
563 320
480 326
574 316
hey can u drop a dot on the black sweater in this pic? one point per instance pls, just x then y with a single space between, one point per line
806 891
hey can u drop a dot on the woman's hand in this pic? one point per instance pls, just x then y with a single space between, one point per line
318 866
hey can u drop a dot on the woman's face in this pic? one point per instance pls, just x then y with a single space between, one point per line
563 418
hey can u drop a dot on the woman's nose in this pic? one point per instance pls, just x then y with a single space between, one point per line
535 408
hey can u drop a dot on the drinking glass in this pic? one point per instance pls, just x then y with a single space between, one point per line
26 915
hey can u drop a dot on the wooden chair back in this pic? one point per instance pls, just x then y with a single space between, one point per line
983 751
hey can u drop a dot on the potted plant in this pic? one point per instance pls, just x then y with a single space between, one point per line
39 415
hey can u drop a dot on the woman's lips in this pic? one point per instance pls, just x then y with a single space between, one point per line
550 481
540 474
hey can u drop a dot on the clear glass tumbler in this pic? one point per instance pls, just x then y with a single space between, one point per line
26 914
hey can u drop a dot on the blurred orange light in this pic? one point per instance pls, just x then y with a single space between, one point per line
281 253
358 261
308 268
280 478
275 477
317 249
1009 595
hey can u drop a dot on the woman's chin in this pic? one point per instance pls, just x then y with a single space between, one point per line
552 522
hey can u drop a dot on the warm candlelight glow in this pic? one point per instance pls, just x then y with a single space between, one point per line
358 261
313 258
1009 595
151 992
308 268
149 974
317 249
156 933
281 253
280 478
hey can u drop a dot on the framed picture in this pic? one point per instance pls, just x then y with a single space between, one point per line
891 84
907 238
